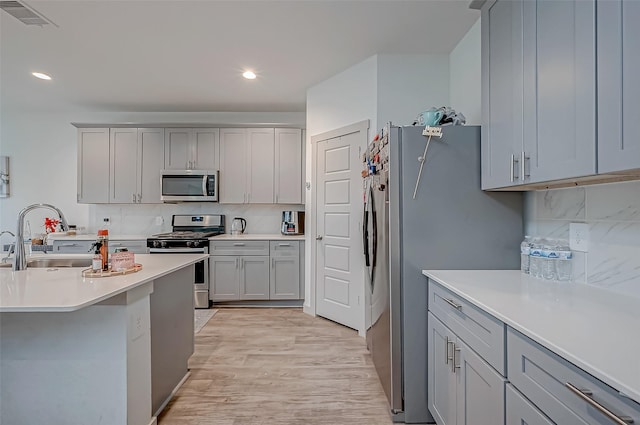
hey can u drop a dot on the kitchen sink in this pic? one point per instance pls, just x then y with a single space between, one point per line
54 263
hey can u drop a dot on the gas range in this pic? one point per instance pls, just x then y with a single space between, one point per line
189 232
191 235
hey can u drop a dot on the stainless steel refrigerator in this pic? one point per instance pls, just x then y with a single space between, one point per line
451 224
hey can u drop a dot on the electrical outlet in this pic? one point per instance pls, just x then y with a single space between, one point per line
579 237
106 220
159 220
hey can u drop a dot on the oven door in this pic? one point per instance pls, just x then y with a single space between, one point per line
200 275
189 185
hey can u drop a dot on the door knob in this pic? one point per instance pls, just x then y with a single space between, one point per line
319 238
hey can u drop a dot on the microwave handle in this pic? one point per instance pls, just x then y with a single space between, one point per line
204 185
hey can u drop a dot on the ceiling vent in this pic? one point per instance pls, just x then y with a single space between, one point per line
24 13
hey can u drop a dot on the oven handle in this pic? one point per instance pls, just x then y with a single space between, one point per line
177 250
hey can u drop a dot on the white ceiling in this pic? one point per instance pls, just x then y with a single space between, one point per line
184 56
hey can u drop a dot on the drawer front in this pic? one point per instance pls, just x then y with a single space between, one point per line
137 247
544 378
520 411
284 248
240 247
478 329
72 247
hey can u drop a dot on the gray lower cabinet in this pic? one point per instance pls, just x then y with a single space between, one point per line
463 389
255 270
224 278
254 277
285 270
239 277
562 391
521 411
618 94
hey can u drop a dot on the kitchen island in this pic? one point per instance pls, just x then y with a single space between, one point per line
77 350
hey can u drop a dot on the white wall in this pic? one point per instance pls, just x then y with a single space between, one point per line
465 76
408 85
382 88
43 151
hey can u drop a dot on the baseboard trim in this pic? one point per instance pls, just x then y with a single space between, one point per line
173 393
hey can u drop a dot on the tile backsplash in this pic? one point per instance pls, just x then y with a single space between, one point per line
612 212
141 219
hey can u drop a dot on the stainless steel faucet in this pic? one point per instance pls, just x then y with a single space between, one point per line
11 247
20 259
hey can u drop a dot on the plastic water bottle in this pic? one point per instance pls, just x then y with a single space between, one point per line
549 259
525 251
564 265
535 258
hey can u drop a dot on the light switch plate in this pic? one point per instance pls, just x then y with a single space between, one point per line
579 237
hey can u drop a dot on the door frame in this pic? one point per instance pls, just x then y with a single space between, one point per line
361 127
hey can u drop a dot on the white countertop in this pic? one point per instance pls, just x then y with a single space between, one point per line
592 328
257 237
39 290
93 236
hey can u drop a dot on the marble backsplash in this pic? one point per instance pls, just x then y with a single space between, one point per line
612 212
141 219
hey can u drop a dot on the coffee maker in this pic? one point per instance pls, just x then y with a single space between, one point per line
292 223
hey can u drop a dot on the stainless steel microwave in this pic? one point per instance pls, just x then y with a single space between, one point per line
189 185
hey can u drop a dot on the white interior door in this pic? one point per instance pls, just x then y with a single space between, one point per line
339 260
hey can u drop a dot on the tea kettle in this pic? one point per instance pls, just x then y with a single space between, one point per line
238 225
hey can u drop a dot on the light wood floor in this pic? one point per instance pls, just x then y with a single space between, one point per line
278 366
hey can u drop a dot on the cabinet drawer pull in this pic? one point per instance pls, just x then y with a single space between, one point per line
453 304
69 244
284 244
238 244
586 395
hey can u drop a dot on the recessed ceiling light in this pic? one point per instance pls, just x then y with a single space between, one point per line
41 75
249 75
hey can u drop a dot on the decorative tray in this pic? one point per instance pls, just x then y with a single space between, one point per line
108 273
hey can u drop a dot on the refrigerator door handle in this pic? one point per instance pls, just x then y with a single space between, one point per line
374 219
365 235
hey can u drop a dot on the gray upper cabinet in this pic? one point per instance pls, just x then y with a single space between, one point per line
502 93
136 156
192 149
123 158
233 166
559 90
618 93
539 91
93 165
288 166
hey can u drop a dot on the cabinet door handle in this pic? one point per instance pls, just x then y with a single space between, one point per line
453 304
523 162
586 395
242 263
272 262
454 365
139 198
134 197
237 259
514 161
447 357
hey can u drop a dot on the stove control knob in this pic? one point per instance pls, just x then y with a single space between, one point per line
196 243
163 244
156 244
189 243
